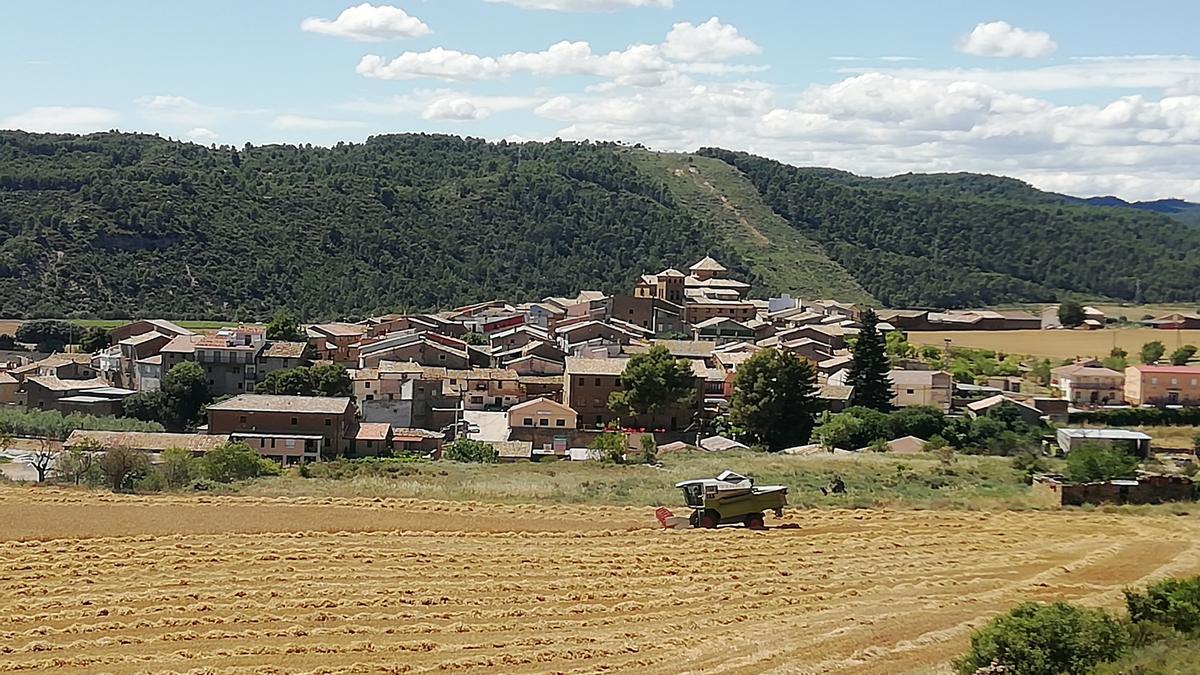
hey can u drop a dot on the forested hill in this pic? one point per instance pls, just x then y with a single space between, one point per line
132 225
119 225
937 241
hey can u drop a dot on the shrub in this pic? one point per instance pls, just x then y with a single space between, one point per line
649 449
467 450
1050 639
609 447
1171 602
176 468
234 461
1094 462
123 466
1029 464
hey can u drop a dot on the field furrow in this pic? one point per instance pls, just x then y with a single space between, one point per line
102 583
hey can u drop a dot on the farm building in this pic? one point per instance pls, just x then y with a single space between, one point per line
1146 488
1135 442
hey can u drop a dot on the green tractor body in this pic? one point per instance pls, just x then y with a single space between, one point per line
731 498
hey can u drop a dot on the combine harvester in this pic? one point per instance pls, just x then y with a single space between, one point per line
727 499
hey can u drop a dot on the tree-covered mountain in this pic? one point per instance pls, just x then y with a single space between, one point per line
1184 212
963 240
128 225
118 225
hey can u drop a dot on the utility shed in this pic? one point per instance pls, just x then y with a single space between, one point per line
1135 442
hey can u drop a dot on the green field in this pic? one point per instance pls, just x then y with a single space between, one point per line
872 481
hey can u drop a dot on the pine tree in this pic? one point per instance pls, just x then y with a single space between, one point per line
869 367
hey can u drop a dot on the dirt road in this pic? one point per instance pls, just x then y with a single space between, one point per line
125 584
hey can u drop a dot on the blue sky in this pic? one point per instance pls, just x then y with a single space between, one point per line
1070 95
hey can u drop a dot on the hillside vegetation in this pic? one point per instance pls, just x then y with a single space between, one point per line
119 224
114 225
782 258
966 240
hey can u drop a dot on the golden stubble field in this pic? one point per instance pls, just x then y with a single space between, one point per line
102 583
1059 344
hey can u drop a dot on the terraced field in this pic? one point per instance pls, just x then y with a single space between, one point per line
124 584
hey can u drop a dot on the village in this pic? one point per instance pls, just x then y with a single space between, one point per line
535 380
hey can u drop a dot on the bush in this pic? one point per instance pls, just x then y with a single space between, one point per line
609 447
123 466
1093 462
467 450
234 461
1050 639
1029 464
1171 602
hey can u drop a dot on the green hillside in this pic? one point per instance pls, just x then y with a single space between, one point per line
117 225
781 258
926 241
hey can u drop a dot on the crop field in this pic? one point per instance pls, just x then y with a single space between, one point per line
103 583
1059 344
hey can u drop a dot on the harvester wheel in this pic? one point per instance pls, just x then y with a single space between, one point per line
694 519
754 521
709 519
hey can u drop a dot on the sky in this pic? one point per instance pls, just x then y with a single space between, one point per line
1087 98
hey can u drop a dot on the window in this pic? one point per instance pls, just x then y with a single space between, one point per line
289 443
597 382
272 442
367 385
239 385
528 422
441 357
582 382
1154 380
242 419
910 391
599 420
370 397
1174 381
560 422
295 421
328 422
1193 381
544 422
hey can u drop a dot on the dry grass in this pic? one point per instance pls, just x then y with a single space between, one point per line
873 481
1059 344
121 584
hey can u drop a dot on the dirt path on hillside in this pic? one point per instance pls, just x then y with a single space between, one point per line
126 584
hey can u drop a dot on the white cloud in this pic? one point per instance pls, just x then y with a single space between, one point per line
1172 73
710 41
882 124
688 48
586 5
443 104
454 108
202 135
184 112
62 119
302 123
369 23
1000 38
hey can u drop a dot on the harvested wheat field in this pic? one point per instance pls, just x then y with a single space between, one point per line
102 583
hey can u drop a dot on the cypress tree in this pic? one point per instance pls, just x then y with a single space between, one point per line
869 367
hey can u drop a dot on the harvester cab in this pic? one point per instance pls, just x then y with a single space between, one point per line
729 498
